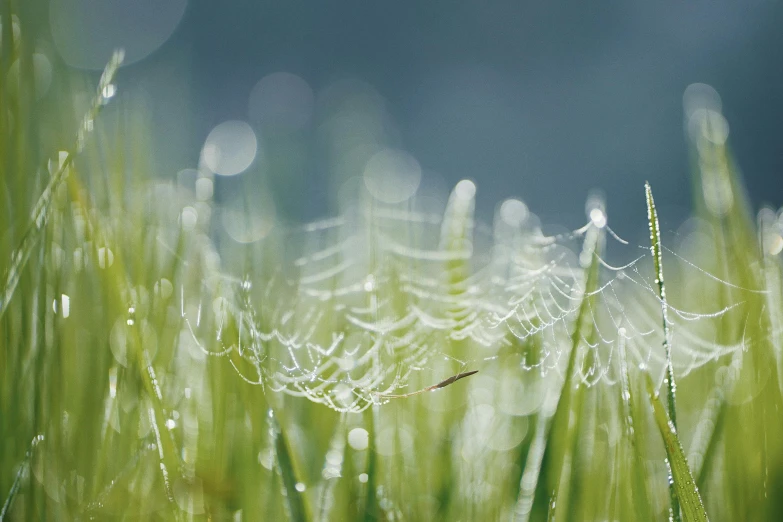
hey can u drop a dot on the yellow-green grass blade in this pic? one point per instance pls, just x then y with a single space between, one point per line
687 492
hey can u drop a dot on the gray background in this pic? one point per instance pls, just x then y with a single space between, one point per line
539 100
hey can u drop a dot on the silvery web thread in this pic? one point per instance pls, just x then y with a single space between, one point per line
371 336
542 300
393 343
541 292
286 355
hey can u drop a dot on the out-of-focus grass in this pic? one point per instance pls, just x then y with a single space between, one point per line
139 379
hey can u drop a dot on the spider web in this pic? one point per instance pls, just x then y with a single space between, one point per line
381 297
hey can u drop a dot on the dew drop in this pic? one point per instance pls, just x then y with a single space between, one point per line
66 305
108 93
598 217
105 257
113 382
204 189
188 218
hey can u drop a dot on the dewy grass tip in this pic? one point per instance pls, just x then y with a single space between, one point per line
671 387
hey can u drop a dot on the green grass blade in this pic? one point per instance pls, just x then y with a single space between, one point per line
296 501
24 469
704 447
527 485
17 484
41 211
115 282
332 471
640 490
372 510
655 249
554 483
687 491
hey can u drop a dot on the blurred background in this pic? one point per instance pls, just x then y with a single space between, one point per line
528 99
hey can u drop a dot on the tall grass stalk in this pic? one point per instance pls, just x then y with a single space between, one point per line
671 386
683 482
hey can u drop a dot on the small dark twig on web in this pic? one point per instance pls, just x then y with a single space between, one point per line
442 384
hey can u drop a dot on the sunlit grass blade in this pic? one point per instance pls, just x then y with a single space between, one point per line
640 490
773 284
687 491
554 481
295 499
655 249
527 486
741 259
332 471
116 285
40 214
704 446
372 510
24 469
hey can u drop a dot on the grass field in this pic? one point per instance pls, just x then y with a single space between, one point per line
390 363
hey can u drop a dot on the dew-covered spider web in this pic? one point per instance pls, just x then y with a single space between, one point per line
383 301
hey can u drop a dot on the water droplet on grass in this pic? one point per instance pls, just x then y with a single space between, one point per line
108 93
105 257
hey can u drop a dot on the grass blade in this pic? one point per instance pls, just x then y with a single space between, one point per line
24 468
40 214
554 483
332 472
372 510
687 491
295 499
639 490
529 480
655 249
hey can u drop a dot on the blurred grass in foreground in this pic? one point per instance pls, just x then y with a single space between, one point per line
150 372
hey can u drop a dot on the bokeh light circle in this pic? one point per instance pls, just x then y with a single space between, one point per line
700 96
85 32
42 75
230 148
282 101
465 190
513 212
392 176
